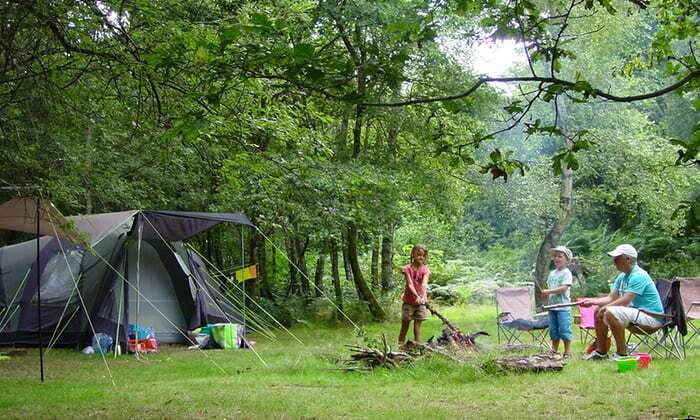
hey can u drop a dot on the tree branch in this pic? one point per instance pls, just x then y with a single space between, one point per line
547 80
58 33
516 121
562 28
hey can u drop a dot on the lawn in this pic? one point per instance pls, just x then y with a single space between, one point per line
302 381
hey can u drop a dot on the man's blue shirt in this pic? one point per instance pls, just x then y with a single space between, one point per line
640 283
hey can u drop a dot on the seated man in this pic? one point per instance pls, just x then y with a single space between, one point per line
633 290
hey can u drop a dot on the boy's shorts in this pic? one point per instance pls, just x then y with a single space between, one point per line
560 325
413 312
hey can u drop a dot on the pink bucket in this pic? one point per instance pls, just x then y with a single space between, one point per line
643 359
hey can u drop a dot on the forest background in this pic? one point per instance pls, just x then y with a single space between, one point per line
350 130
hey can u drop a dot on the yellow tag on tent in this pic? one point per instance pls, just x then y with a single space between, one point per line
246 273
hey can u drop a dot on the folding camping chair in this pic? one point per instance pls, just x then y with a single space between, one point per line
586 322
515 316
665 340
690 294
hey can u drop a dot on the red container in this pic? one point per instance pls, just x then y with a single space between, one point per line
643 359
148 345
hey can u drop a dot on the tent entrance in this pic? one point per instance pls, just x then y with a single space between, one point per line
163 283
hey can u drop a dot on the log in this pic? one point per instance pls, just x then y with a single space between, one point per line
534 363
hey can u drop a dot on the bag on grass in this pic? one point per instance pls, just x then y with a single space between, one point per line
140 332
226 335
101 343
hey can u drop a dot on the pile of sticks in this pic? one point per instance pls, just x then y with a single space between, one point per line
367 358
371 358
533 363
364 358
452 335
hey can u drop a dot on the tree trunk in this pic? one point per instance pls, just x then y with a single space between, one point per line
251 286
375 264
361 58
209 246
88 169
357 132
261 259
374 307
318 275
342 134
336 278
387 263
388 259
274 265
300 252
566 211
346 265
392 139
292 270
554 234
218 249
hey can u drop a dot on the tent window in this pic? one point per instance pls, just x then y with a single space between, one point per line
57 282
109 309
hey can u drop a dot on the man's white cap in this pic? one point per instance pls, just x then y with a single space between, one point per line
564 250
624 249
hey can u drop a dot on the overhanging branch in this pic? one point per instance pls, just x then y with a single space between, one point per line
550 81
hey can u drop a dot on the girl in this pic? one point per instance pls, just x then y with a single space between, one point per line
415 293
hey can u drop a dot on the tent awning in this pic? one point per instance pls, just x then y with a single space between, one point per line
97 226
20 214
181 225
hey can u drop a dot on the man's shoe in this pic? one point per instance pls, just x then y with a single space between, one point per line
595 355
617 356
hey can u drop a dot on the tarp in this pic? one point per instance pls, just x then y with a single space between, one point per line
97 226
19 214
181 225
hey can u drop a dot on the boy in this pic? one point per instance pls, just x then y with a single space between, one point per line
559 284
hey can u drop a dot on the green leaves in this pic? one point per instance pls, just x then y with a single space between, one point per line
514 107
303 53
564 159
567 158
607 4
690 148
538 128
260 23
228 34
502 165
689 210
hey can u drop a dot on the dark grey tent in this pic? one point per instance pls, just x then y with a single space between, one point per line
137 271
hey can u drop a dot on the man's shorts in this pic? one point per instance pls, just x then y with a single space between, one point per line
413 312
627 315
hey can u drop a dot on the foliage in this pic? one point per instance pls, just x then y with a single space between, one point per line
278 109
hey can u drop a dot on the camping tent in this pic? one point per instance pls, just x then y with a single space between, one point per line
136 271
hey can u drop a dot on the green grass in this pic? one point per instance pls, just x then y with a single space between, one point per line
302 382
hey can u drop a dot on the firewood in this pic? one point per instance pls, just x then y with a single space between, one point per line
452 334
533 363
427 349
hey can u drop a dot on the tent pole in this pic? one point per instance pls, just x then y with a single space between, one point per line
119 320
244 292
38 284
138 283
125 292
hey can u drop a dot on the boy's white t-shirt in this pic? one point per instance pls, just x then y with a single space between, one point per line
556 279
